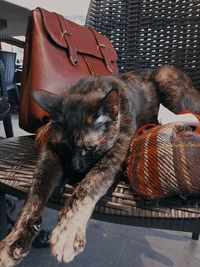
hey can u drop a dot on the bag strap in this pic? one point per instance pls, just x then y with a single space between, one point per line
67 35
102 47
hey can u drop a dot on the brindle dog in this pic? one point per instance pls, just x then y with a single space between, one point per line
90 130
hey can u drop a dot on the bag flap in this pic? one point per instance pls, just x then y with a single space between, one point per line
82 38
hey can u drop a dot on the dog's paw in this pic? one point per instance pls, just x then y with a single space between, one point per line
68 239
11 253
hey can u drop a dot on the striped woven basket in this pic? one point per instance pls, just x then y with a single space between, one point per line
164 161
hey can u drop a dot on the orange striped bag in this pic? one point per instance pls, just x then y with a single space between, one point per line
164 161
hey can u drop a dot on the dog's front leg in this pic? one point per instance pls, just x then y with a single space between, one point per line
17 244
68 237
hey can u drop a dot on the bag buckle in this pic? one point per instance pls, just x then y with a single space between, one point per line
72 57
101 45
66 33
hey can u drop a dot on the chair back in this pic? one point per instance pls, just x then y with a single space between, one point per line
3 91
8 59
148 34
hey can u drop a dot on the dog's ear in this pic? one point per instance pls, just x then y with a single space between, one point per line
50 102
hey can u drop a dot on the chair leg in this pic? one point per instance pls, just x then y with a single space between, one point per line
17 92
3 216
195 236
8 126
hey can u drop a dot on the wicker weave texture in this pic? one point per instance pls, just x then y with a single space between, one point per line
151 33
110 18
17 163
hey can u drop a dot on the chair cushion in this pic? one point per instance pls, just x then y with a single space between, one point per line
164 161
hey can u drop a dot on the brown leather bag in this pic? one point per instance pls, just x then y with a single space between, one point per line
57 54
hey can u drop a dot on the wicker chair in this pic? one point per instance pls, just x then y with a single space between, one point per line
12 41
9 59
6 118
4 105
145 34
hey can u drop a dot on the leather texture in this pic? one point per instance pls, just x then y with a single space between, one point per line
57 53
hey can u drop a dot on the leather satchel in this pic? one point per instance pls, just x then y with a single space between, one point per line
57 53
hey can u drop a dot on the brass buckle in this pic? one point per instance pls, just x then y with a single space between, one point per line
101 45
66 32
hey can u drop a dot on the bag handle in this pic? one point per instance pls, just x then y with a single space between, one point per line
103 50
67 35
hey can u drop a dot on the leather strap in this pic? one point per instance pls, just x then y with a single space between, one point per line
67 35
102 47
90 67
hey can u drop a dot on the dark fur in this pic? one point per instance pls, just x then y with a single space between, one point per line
126 101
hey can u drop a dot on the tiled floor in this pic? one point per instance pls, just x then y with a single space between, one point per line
110 245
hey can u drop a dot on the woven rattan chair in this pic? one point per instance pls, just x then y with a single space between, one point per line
12 41
145 34
9 59
5 115
7 123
